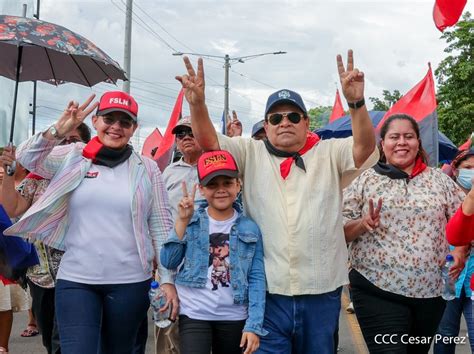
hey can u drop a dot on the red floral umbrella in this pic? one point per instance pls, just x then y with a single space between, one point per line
52 53
32 50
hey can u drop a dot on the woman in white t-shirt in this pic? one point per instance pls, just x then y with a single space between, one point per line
107 207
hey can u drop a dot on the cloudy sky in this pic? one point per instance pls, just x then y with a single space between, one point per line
393 41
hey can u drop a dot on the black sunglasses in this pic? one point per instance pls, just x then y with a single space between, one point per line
182 134
125 123
276 118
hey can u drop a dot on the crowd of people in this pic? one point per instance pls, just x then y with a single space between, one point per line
251 239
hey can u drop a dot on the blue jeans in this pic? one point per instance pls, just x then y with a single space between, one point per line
451 323
93 316
301 324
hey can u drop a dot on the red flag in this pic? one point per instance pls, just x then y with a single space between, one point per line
467 145
420 103
446 13
151 144
337 109
165 150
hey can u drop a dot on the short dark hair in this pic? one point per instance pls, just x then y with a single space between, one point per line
386 126
84 132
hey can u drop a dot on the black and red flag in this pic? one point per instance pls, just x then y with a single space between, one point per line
151 144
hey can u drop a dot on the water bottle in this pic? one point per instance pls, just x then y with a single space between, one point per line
449 291
158 300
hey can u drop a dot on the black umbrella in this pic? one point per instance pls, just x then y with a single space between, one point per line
32 50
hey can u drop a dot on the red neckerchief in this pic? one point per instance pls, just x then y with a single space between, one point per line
102 155
419 167
285 167
92 148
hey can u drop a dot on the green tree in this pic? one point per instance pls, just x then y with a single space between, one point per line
455 76
389 99
319 116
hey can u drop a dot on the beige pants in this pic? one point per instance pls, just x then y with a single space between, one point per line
167 339
13 297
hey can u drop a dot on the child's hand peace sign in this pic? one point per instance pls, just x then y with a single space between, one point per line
186 204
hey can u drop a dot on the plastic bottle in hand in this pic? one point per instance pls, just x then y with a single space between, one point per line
158 300
449 291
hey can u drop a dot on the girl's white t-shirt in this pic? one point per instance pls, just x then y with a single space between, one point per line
214 302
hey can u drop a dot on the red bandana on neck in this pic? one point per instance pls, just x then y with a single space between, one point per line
285 167
92 148
419 167
102 155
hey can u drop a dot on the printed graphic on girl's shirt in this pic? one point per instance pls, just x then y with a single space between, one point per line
219 260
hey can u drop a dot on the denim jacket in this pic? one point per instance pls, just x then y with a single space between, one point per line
247 274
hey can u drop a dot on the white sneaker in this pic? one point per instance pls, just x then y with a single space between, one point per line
350 308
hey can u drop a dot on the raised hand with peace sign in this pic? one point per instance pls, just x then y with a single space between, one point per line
352 80
194 90
185 210
193 83
186 204
72 117
233 125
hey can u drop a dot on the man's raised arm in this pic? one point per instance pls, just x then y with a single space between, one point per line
352 82
194 87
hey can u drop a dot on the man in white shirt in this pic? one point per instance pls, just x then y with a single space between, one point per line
292 188
185 168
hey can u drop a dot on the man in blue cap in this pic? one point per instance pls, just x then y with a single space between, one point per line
258 131
293 189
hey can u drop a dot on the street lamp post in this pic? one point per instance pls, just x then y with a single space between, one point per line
227 64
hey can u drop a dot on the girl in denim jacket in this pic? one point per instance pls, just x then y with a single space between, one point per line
221 278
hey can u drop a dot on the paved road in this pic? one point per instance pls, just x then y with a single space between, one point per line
351 340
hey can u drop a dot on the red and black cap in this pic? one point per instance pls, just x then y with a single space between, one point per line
216 163
118 101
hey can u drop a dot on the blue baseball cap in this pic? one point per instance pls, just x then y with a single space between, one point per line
257 128
285 96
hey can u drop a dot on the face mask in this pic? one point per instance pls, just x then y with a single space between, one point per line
465 178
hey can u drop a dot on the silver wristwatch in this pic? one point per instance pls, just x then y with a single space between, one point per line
54 132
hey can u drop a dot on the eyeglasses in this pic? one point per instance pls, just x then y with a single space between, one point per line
182 134
124 122
276 118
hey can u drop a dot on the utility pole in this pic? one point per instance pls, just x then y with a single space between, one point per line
35 85
227 64
127 56
226 89
127 52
